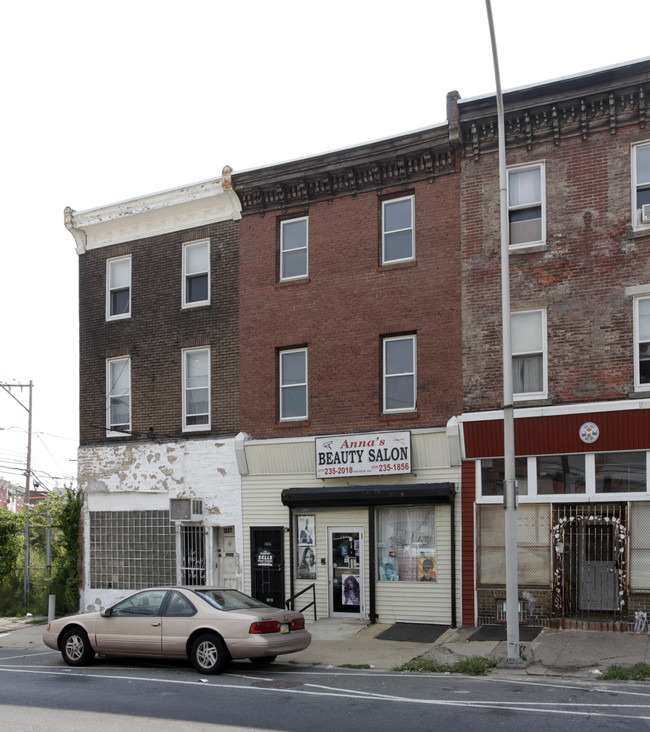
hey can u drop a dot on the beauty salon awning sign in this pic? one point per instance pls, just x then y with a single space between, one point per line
381 453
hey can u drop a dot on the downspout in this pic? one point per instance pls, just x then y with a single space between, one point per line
454 622
371 558
292 587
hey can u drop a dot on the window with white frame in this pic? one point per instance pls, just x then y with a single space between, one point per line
529 361
293 384
621 472
526 214
118 288
398 231
399 368
641 185
118 396
196 273
642 343
196 389
294 238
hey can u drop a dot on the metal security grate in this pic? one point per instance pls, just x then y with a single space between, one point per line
192 555
590 545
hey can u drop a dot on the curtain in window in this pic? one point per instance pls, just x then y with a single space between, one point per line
406 544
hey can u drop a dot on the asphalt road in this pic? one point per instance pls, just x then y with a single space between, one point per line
39 692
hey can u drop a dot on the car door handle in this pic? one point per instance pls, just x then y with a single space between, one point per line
154 625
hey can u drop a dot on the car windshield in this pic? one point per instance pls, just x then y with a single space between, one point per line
229 599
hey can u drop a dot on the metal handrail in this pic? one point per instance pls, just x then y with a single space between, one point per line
289 604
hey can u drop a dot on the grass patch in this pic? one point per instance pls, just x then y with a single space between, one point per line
355 665
638 672
471 666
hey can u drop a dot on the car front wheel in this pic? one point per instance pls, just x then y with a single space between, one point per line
76 649
209 654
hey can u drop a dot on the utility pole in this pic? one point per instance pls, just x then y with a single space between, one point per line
509 490
28 472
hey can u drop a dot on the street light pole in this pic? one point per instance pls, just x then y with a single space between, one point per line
509 491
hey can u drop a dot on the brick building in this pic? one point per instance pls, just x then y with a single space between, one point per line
578 156
350 352
158 301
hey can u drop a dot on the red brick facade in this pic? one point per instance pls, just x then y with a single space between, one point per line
347 304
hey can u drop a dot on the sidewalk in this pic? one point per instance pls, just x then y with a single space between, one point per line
335 643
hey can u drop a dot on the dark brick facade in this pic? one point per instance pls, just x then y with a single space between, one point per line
349 301
157 331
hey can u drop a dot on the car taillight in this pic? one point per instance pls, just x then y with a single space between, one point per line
298 624
265 626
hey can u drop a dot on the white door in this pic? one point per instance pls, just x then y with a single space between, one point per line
345 568
225 574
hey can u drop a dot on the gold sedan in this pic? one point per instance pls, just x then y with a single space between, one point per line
210 627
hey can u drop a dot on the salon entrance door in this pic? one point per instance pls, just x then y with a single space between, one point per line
345 551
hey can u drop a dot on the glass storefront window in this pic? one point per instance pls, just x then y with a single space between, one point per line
621 472
406 548
560 474
493 475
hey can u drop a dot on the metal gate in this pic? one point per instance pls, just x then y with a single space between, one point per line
192 555
590 543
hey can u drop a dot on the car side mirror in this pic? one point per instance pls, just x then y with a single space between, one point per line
107 612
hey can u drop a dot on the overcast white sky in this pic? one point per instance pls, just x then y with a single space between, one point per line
106 101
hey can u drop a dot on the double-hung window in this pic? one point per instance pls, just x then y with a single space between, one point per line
529 360
294 239
526 214
293 384
642 343
196 273
118 396
641 185
118 288
196 389
399 369
398 230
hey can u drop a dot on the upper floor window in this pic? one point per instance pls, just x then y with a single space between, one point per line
641 185
196 273
526 214
398 231
293 384
118 288
118 396
294 238
529 361
196 389
642 343
399 374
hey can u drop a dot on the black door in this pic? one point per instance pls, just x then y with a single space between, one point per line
267 564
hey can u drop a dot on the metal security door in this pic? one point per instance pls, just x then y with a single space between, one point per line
597 568
345 547
267 564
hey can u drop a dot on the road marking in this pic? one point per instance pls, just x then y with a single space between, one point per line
565 709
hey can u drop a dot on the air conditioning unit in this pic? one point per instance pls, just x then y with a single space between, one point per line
185 509
645 213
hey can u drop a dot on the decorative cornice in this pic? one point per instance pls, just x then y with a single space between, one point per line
399 161
181 208
581 106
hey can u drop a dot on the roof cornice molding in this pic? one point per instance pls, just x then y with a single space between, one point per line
198 204
603 101
421 155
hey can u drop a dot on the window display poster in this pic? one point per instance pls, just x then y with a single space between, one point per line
427 569
306 562
305 530
351 589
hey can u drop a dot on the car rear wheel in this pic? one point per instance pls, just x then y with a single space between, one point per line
263 659
75 648
209 654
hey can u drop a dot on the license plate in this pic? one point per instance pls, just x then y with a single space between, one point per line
284 627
